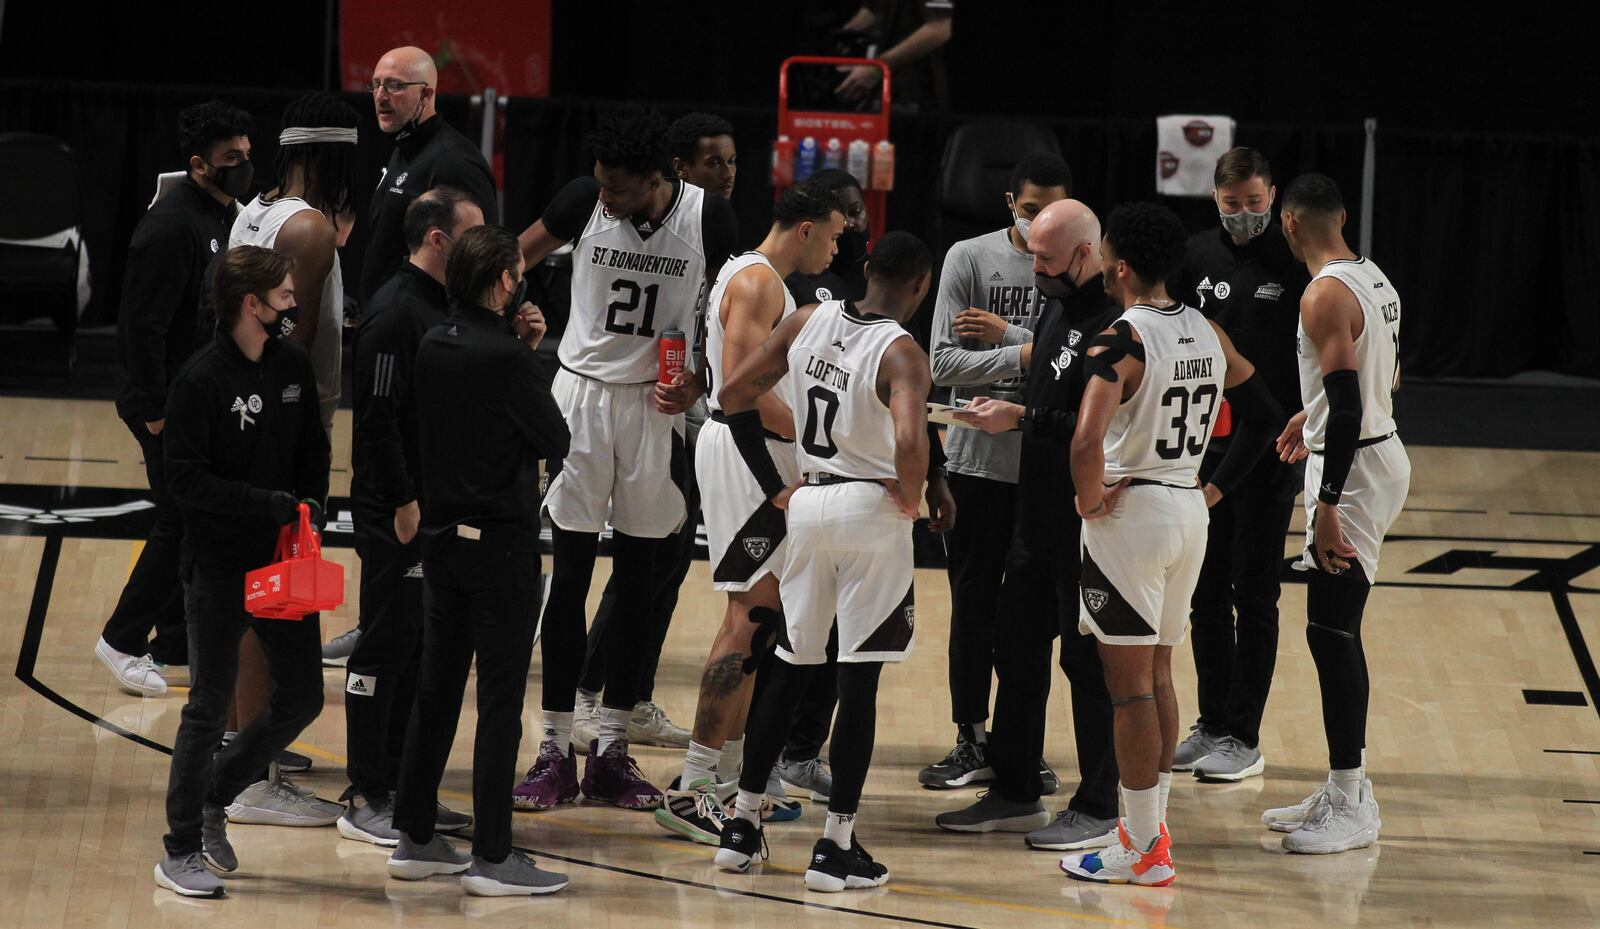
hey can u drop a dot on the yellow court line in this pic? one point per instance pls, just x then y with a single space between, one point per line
677 845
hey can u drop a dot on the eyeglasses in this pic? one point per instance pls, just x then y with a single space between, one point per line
391 85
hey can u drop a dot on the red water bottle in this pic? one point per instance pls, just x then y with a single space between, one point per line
674 355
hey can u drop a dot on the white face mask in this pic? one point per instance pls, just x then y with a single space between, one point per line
1020 223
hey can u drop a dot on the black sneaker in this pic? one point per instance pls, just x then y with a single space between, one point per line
741 843
967 763
834 869
1048 782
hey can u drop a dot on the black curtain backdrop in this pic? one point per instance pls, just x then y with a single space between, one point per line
1485 235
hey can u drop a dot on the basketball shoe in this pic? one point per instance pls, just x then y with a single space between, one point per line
1124 864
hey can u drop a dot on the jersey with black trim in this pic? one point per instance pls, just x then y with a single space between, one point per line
716 331
1377 353
842 426
1160 433
629 285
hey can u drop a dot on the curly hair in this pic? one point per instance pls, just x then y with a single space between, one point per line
329 167
632 138
900 257
1150 238
205 124
685 133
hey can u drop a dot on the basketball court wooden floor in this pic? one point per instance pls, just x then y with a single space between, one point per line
1485 746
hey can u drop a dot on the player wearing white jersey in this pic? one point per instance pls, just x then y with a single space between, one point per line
858 384
744 530
644 245
1155 380
1356 484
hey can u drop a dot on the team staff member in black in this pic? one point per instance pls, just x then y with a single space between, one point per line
244 442
428 153
1039 597
172 246
1243 277
484 420
382 672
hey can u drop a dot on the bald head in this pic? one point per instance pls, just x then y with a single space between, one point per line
1058 236
411 66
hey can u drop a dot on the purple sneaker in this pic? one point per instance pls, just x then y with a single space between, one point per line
615 778
553 779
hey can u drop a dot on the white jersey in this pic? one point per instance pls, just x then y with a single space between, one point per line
842 426
1377 353
259 224
1160 433
627 290
716 331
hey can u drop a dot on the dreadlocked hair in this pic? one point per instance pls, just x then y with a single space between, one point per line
329 168
631 137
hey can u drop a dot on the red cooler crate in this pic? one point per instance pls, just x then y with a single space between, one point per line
299 582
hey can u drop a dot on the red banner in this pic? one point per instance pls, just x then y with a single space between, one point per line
504 44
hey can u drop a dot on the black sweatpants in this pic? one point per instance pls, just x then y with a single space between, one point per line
381 677
216 620
481 599
561 643
1234 658
1038 601
976 548
153 597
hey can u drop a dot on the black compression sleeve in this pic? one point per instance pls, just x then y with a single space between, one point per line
936 456
751 439
1260 418
570 209
1344 432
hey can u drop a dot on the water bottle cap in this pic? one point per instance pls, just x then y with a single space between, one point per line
672 332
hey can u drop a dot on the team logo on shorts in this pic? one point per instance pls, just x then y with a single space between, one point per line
1096 599
757 548
911 616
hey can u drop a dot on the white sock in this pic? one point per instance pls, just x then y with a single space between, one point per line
1143 814
558 729
613 726
1349 781
732 760
1164 782
591 697
747 806
700 761
839 827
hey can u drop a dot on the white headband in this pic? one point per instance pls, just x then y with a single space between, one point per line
300 135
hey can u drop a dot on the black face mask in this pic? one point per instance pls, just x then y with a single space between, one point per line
284 324
233 180
1055 285
518 297
852 249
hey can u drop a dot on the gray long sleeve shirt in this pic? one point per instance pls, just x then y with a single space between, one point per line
989 273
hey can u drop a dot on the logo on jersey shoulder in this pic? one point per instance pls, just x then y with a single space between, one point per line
1201 289
1063 361
1095 599
824 293
644 228
399 182
1270 291
1073 337
838 344
1222 290
1377 285
997 276
362 685
1198 132
415 571
453 330
291 394
244 408
1185 340
757 548
214 246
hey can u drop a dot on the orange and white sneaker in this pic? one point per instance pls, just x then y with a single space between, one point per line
1124 864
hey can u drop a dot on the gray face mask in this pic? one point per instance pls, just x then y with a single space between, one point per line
1022 226
1245 224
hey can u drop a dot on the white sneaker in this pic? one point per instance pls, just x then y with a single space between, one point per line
1341 824
176 675
585 722
137 675
650 726
1290 818
279 803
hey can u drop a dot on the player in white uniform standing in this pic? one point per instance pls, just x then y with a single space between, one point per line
1155 380
307 214
644 246
859 389
1356 484
745 531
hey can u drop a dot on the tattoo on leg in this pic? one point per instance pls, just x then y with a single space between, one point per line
722 677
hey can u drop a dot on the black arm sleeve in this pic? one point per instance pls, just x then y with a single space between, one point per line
384 355
534 410
186 445
313 455
1344 432
159 262
719 232
1044 422
752 442
1260 420
571 207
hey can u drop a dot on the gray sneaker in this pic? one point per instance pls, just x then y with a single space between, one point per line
336 654
809 776
994 813
366 821
1231 760
448 820
1199 744
214 837
187 876
649 725
516 876
1074 830
278 803
413 861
